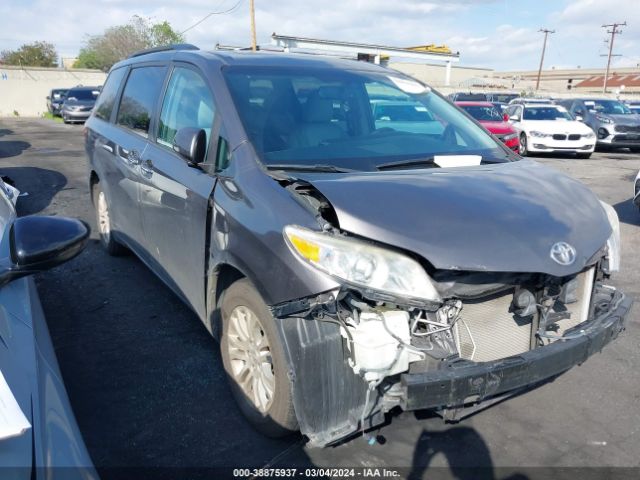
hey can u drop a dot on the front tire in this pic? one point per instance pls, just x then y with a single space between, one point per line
103 220
583 156
635 149
522 149
255 362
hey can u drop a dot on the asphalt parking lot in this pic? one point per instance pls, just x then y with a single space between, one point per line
147 386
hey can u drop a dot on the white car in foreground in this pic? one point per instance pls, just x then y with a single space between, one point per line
550 128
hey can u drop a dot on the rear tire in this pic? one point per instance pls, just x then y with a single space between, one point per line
583 155
522 150
255 362
635 149
103 221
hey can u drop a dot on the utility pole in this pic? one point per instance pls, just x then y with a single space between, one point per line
252 13
614 30
544 47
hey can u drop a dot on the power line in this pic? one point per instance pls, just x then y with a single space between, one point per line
614 31
229 10
544 47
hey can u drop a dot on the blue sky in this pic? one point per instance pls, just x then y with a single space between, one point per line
500 34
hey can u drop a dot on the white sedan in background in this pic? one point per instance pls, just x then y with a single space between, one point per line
550 128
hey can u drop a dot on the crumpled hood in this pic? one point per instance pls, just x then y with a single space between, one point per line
502 218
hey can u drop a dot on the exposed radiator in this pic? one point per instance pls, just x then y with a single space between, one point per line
579 310
488 331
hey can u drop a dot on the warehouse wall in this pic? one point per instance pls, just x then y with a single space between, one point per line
435 75
24 90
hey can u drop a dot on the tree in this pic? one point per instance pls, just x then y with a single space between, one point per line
37 54
116 43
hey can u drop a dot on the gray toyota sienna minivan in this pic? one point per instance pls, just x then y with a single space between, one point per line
348 264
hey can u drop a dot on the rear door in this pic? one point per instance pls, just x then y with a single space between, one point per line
101 133
133 123
175 195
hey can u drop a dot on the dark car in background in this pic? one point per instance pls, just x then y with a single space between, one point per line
615 124
39 438
55 99
348 265
78 104
493 120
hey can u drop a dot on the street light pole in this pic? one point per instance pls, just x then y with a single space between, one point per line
252 13
544 47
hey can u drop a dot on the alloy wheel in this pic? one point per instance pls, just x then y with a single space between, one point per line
250 357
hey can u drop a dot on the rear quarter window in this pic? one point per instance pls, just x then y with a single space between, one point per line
107 99
141 93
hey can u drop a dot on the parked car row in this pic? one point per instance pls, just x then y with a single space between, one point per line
74 104
349 235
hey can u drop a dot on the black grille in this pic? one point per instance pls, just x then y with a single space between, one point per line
559 136
574 136
627 128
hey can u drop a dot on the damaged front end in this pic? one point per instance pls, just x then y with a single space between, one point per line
456 342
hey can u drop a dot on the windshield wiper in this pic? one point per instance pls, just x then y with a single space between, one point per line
309 168
414 162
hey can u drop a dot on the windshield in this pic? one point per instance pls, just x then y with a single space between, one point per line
483 113
546 113
57 94
82 94
470 97
610 107
503 97
354 120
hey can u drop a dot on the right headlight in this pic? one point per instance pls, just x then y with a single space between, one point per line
613 244
360 263
539 134
602 119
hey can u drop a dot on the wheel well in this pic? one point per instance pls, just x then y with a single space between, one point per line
222 279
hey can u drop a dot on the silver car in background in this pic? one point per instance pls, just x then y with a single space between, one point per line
615 124
78 104
39 436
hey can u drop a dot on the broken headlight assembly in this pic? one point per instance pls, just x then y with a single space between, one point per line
613 244
361 264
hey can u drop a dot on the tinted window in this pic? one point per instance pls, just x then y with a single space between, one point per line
188 103
107 98
139 98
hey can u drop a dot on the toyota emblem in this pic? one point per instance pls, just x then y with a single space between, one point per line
563 253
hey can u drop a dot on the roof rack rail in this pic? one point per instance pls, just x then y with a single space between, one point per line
164 48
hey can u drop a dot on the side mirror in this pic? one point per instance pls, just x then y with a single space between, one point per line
191 143
38 243
514 118
579 118
505 117
48 97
